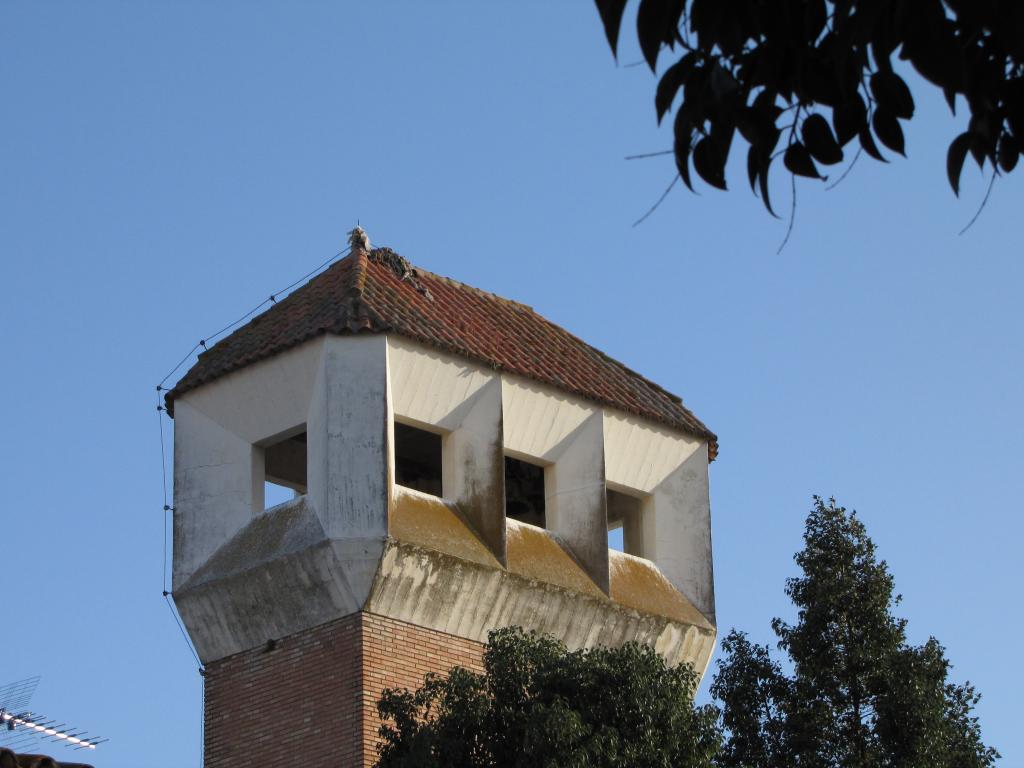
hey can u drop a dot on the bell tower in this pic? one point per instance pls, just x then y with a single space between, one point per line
456 464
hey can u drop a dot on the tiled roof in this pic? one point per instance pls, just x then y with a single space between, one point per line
380 292
9 759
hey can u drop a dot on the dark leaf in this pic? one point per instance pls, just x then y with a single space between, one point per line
1015 106
611 18
682 153
709 163
1008 153
887 129
955 160
819 82
762 178
798 160
815 16
695 96
682 129
656 22
671 82
978 148
868 143
893 95
882 46
746 122
723 84
705 17
931 44
683 132
722 132
849 118
950 95
765 104
763 113
819 140
753 167
1015 116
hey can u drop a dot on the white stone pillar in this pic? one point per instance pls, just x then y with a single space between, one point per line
677 531
474 465
575 504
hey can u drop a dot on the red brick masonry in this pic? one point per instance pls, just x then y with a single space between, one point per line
311 701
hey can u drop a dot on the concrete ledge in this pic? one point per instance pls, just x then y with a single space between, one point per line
435 572
281 574
438 591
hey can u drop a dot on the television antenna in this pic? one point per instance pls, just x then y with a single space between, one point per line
21 727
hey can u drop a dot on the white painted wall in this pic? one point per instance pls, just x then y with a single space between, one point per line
263 399
216 487
640 455
538 418
677 531
430 387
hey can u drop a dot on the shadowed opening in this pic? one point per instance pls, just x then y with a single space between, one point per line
625 523
524 491
284 463
418 459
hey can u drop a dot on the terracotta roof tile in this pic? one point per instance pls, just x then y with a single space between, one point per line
380 292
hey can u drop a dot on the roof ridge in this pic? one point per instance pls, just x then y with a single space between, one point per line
402 267
360 267
376 290
472 288
358 313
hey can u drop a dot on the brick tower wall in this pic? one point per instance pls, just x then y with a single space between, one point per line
312 700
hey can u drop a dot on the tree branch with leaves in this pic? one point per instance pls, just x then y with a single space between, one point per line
802 80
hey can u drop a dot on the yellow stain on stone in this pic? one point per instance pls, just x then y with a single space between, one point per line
638 584
427 521
534 554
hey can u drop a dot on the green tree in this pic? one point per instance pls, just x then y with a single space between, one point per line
859 696
536 704
800 80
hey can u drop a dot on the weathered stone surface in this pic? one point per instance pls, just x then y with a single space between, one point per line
278 575
281 574
357 541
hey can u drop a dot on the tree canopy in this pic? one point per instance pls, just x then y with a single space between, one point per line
851 692
802 79
858 696
537 704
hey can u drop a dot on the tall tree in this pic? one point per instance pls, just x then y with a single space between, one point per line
802 79
859 696
537 704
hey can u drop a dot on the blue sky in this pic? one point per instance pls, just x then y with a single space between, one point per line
166 165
